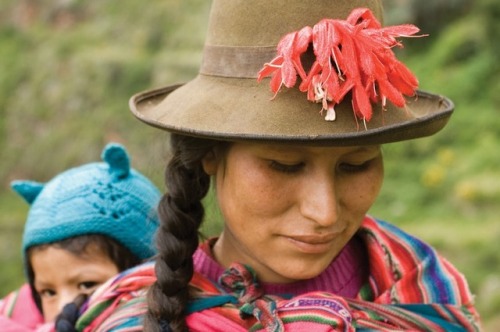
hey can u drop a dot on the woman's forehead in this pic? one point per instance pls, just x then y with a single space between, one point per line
304 148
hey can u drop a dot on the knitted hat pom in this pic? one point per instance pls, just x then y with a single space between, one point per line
117 158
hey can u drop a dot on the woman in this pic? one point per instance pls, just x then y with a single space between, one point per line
295 174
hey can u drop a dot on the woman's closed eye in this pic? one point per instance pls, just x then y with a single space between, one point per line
347 167
286 168
355 167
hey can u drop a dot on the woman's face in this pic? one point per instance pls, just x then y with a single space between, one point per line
60 276
289 210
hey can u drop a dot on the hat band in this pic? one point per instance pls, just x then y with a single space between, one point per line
235 62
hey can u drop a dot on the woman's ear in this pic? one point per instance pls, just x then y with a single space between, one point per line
210 163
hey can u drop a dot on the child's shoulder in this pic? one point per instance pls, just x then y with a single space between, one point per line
19 307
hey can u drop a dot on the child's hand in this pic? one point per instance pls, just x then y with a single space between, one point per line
65 321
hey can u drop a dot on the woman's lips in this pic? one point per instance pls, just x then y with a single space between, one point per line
312 244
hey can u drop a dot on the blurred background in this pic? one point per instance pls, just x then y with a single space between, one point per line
68 68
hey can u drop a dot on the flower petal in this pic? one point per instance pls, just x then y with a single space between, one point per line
353 55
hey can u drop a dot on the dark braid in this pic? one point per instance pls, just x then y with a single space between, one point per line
181 213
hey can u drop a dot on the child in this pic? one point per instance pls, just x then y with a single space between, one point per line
84 226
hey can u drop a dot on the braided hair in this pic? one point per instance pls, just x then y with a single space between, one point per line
181 213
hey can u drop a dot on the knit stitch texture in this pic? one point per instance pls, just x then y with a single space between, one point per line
108 198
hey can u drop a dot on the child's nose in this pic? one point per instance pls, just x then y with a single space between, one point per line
65 298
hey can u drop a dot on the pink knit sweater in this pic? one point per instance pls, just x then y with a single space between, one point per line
19 313
344 276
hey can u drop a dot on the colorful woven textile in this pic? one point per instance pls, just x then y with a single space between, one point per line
119 303
410 288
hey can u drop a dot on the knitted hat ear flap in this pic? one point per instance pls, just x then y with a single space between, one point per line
29 190
117 159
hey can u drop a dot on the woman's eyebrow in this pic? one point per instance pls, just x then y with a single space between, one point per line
370 148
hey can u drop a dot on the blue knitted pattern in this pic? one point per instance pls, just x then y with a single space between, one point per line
107 198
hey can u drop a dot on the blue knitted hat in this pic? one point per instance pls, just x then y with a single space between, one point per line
107 198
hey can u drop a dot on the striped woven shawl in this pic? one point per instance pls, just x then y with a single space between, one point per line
410 288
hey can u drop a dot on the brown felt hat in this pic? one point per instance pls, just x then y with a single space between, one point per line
225 101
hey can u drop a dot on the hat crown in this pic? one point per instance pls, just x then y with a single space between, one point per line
107 198
231 100
241 22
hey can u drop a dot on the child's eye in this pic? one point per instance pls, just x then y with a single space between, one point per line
88 285
46 293
286 168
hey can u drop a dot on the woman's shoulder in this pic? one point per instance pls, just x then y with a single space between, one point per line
378 226
406 269
380 233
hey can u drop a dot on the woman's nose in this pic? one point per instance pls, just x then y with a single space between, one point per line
319 200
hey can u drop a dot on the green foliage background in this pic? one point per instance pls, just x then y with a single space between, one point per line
67 69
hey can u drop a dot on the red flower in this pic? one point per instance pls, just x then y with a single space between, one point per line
353 55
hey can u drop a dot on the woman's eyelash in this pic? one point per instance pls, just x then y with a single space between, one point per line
294 168
353 168
286 168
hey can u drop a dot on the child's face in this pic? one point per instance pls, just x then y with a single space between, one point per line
60 276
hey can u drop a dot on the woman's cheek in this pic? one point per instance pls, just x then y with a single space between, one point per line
360 194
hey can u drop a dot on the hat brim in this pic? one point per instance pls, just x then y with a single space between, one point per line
243 109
